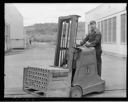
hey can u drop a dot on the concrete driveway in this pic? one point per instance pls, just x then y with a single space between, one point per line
113 71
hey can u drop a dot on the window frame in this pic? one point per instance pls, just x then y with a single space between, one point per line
123 43
113 30
103 32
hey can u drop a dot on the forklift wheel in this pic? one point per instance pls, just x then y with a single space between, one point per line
76 91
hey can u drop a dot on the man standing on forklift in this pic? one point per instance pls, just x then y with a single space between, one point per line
93 39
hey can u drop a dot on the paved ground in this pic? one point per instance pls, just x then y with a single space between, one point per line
113 72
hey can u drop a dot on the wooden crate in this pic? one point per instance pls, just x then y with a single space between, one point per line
47 82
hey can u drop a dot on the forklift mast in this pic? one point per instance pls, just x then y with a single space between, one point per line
66 40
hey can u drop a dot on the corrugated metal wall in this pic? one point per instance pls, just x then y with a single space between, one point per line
16 33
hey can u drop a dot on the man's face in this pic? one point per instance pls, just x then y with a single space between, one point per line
93 26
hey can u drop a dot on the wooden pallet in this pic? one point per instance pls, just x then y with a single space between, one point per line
60 92
34 92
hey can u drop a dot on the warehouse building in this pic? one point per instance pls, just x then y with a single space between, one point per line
112 22
14 30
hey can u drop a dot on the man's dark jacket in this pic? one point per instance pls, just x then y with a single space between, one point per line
94 38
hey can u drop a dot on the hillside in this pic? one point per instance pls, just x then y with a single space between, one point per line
47 32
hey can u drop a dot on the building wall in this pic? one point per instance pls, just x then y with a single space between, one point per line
15 20
105 12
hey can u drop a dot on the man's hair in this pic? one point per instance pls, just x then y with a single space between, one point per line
92 22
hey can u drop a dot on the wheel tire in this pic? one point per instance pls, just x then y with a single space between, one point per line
76 91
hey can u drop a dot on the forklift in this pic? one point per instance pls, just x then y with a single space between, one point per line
74 72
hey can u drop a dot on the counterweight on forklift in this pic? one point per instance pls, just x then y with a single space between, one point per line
74 72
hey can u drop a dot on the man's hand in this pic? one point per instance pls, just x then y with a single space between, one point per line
87 43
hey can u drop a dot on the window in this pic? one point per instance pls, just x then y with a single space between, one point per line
99 25
88 28
123 28
114 29
105 30
102 31
109 30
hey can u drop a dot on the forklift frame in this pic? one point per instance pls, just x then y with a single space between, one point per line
66 40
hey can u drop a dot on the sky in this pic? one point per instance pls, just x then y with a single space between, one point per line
49 12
